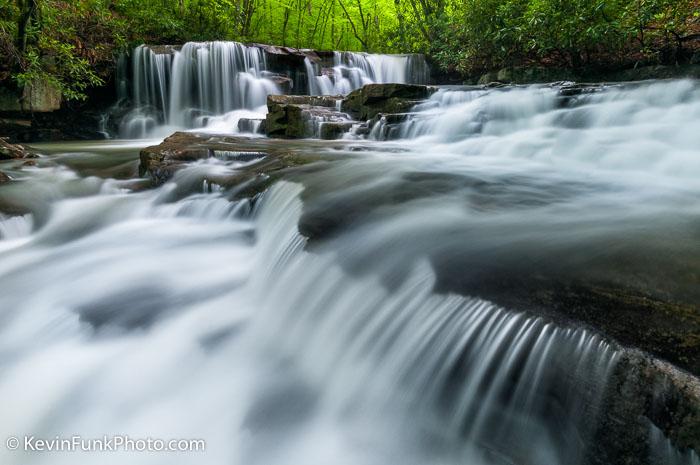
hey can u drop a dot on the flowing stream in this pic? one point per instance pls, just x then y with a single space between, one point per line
181 312
213 84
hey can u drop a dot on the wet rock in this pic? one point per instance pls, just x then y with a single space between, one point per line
250 125
164 49
288 55
267 159
535 74
334 130
4 178
293 116
388 126
372 99
646 395
274 102
160 162
283 82
13 151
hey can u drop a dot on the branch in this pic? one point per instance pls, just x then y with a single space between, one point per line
352 24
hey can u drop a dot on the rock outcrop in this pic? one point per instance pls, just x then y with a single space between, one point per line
36 96
300 116
649 406
330 117
372 99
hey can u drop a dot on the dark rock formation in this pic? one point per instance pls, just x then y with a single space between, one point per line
12 151
72 121
372 99
297 116
36 96
283 82
4 178
334 130
644 396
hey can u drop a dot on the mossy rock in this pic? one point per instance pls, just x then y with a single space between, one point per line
367 102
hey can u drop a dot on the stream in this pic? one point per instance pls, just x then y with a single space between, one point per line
350 314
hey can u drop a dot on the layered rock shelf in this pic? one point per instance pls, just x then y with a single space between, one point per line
331 117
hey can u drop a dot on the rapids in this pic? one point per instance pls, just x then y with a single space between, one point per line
343 316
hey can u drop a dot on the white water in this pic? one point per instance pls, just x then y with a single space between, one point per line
179 314
200 84
351 71
212 85
193 319
644 130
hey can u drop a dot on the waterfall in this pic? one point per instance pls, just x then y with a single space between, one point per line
184 88
214 84
272 342
639 129
353 70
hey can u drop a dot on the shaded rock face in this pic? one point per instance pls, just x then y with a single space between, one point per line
284 83
36 96
334 129
647 399
64 121
372 99
294 116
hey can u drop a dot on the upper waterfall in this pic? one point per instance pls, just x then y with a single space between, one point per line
200 83
351 71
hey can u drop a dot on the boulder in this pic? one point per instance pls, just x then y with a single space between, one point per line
38 96
4 178
13 151
334 130
647 395
161 161
372 99
294 116
387 126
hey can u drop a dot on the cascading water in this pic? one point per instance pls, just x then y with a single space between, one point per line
188 87
295 360
214 84
370 339
351 71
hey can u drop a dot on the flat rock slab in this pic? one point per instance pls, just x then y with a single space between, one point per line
160 162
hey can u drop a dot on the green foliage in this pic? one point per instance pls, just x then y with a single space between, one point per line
487 34
72 43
